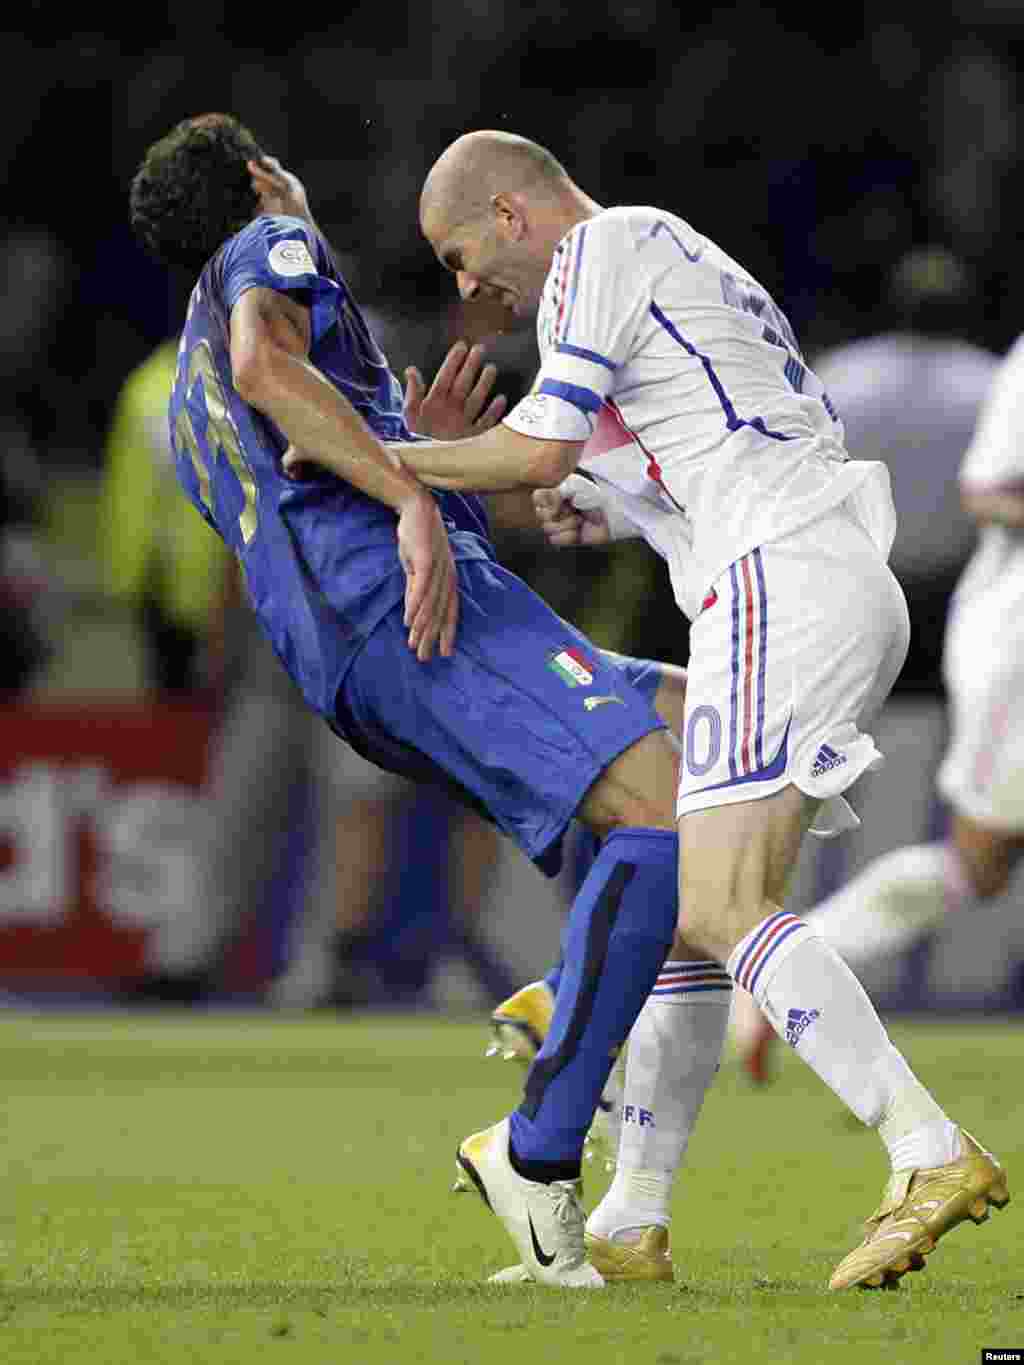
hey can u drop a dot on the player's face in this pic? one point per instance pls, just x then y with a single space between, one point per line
489 263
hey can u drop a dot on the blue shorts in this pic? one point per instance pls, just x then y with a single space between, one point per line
519 723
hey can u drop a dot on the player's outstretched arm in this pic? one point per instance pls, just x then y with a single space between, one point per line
498 461
269 348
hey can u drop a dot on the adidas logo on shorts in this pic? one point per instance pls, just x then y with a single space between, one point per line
825 760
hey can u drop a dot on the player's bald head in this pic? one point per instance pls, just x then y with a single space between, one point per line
462 182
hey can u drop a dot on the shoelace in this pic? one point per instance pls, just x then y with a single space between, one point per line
568 1213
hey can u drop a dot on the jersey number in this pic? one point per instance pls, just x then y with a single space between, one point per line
775 326
221 434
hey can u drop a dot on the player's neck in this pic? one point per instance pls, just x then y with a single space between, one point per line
578 207
572 208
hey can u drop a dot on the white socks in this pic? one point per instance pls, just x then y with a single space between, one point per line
674 1051
891 903
816 1004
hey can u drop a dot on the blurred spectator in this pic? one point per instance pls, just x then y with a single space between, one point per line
160 560
910 396
25 582
34 278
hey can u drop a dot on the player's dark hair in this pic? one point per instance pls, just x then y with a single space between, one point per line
193 191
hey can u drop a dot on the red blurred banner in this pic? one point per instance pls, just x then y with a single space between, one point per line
99 806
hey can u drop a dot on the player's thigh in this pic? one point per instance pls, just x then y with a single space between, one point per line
637 788
670 698
664 685
735 864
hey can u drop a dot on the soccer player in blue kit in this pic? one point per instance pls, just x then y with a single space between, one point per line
385 604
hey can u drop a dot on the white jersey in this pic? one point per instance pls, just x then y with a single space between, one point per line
995 462
689 387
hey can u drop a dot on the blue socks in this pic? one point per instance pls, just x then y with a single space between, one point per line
619 930
587 847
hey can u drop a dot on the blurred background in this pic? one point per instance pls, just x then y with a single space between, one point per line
173 826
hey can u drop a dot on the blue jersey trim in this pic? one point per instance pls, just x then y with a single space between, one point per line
762 662
584 399
776 768
733 422
734 690
661 226
564 348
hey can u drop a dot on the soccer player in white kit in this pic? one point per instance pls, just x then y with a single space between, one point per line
912 395
732 466
908 891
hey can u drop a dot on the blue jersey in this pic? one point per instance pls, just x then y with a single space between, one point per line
320 559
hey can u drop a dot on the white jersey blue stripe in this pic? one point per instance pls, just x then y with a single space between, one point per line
642 312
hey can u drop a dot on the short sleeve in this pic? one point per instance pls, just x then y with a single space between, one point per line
286 255
594 300
995 458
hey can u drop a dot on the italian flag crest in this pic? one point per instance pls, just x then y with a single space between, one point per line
572 666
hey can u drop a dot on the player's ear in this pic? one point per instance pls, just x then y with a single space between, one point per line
509 214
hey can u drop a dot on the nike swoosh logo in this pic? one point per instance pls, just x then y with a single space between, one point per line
538 1251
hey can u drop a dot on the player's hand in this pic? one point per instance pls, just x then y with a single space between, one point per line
456 404
568 521
298 467
279 191
431 587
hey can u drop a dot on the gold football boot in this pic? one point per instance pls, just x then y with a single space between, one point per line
647 1258
919 1207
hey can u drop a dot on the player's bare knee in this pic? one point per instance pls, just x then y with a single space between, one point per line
712 924
683 950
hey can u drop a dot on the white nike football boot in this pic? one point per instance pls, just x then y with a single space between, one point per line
544 1221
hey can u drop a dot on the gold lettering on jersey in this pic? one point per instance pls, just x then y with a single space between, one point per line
221 434
185 438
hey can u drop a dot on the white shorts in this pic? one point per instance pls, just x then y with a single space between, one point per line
798 644
982 775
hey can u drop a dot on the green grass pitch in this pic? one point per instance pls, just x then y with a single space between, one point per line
242 1189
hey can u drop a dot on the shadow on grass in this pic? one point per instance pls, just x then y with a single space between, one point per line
351 1292
315 1297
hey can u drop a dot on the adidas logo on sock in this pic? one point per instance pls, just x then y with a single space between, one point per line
797 1021
825 760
